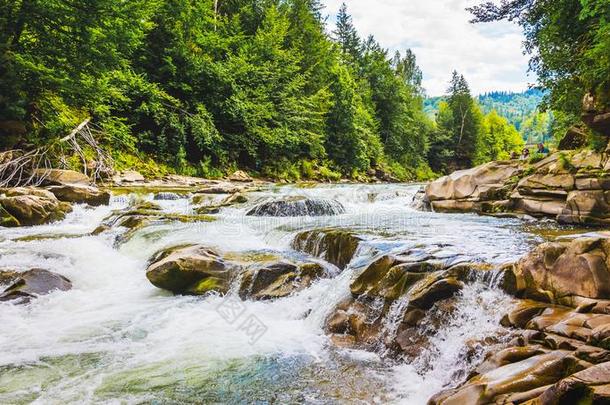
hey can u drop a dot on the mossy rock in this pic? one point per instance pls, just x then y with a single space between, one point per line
7 220
335 246
193 270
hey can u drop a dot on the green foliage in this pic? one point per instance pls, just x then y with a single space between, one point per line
497 139
459 124
569 42
203 87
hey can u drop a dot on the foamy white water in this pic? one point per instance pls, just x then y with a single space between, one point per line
115 338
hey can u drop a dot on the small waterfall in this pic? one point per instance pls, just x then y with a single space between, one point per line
298 208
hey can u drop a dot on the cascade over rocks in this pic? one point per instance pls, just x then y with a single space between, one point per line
333 245
28 206
559 353
394 292
33 283
297 207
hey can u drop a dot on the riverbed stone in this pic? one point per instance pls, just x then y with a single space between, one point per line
80 194
522 376
191 270
277 280
336 246
297 207
33 283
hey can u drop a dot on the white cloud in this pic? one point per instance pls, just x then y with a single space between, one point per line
438 31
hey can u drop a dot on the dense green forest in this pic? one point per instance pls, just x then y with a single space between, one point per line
522 110
207 86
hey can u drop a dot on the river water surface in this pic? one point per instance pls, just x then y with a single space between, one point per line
115 338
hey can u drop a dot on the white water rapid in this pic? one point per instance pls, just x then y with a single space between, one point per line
115 338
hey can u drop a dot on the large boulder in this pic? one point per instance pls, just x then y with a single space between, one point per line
560 271
78 193
333 245
33 283
30 206
194 270
59 177
481 183
297 207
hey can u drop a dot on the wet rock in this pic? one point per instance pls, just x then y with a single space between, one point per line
343 341
590 386
29 206
333 245
586 207
572 187
33 283
277 280
81 194
8 276
194 270
521 315
166 196
338 322
435 287
559 270
61 177
7 220
519 377
297 207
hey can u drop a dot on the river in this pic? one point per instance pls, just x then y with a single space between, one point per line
115 338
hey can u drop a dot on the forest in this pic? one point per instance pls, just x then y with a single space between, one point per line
203 87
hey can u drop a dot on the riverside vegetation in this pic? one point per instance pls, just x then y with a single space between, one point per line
204 87
374 293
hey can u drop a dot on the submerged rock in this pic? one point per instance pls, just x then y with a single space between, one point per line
333 245
297 207
167 196
33 283
194 270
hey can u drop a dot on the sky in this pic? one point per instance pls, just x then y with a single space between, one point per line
489 55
